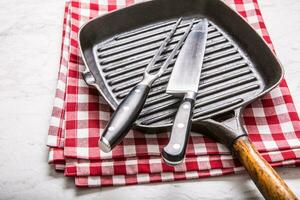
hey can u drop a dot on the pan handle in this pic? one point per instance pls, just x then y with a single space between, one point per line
231 133
267 180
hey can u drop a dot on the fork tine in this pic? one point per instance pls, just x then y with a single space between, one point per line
174 51
162 46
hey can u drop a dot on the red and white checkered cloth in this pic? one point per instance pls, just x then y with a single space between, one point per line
80 114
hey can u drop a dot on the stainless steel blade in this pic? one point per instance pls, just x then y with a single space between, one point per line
186 73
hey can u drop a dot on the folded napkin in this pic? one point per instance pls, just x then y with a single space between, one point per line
80 115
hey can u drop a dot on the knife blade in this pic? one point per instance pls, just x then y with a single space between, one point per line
184 81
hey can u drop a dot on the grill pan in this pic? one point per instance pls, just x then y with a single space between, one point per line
117 56
238 68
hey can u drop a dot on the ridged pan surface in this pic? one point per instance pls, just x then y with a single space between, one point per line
229 79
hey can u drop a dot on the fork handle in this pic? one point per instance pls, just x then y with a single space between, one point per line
123 118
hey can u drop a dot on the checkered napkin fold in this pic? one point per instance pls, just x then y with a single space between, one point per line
80 115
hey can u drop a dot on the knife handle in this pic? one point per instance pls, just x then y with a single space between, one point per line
174 152
123 118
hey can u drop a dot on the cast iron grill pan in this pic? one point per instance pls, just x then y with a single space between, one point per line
228 76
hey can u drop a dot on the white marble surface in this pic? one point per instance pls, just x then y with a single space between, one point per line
29 54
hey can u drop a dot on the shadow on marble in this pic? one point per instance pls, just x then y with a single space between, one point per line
68 181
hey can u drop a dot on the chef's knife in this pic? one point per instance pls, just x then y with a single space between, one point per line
184 81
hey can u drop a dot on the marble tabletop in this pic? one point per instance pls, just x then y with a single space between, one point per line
30 35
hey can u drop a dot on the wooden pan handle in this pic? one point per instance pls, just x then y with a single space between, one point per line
270 184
